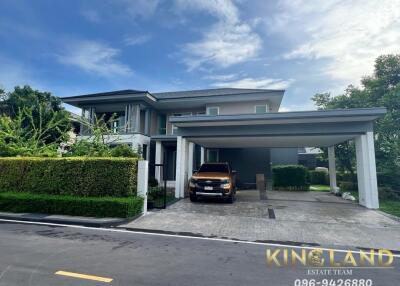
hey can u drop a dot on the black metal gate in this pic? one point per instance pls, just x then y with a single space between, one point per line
157 194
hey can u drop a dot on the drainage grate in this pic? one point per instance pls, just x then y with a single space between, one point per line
271 213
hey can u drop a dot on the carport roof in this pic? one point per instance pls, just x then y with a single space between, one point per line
281 129
317 116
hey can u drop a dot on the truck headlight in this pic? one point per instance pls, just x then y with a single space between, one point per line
192 183
225 184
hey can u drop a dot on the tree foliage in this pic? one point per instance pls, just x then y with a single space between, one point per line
380 89
32 123
44 106
99 142
26 135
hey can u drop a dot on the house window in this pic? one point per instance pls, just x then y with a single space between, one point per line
212 155
162 124
213 110
261 108
144 152
115 126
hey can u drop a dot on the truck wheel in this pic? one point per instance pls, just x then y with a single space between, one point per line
193 198
230 199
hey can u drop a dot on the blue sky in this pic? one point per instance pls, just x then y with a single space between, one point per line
76 47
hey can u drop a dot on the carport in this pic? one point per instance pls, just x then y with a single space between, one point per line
283 129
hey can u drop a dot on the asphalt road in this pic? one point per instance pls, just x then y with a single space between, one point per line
33 254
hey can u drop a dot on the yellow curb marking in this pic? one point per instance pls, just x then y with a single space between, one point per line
84 276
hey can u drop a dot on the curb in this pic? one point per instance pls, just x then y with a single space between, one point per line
68 220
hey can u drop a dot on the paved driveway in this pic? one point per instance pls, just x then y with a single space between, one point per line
307 218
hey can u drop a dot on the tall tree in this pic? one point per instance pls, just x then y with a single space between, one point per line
380 89
45 108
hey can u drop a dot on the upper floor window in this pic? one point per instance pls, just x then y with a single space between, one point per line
115 126
162 124
261 108
212 110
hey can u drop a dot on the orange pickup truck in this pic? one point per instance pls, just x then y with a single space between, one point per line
213 180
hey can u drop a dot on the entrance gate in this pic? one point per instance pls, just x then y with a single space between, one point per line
157 194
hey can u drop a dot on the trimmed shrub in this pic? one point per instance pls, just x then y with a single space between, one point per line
290 177
70 205
346 177
78 176
347 186
387 193
318 178
153 182
123 150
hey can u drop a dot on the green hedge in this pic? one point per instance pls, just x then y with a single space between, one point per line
347 186
318 177
70 205
79 176
290 177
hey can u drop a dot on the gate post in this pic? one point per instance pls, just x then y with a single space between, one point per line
142 182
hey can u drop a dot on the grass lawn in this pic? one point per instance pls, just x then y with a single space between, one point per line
390 207
319 188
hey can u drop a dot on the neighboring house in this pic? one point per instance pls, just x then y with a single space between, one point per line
241 126
308 157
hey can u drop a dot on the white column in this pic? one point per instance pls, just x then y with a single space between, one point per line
136 118
159 160
147 119
202 155
142 182
366 171
181 167
332 169
190 159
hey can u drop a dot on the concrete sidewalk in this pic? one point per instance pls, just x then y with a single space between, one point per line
314 218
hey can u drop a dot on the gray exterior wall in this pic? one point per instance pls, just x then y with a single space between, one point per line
284 156
241 107
194 111
247 162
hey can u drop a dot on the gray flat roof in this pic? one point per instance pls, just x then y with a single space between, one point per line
211 92
335 115
319 128
108 93
171 100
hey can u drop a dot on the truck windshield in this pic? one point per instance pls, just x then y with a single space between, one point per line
219 168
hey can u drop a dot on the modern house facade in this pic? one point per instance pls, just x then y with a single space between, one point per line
244 127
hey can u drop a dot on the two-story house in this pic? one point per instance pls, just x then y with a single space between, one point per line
241 126
144 123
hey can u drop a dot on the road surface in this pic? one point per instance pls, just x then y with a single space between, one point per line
41 255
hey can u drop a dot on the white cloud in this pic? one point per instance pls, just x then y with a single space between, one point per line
222 9
221 77
94 57
264 83
349 34
136 40
142 8
284 109
229 41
